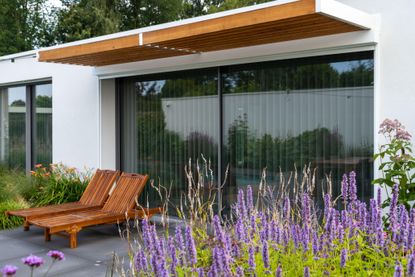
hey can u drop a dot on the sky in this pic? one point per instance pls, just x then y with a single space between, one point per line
56 3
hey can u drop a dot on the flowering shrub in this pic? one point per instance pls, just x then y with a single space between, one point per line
56 184
285 239
397 162
33 262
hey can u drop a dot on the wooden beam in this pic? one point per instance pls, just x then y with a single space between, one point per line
270 14
89 48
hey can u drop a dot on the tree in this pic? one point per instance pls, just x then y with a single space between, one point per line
142 13
81 19
24 25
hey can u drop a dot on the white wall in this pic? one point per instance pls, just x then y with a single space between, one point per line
107 124
75 106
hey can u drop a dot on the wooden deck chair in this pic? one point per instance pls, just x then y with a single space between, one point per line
118 208
94 196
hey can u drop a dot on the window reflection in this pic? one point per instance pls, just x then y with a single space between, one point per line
13 127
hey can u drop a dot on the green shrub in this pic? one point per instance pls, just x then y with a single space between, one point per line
55 185
12 182
7 222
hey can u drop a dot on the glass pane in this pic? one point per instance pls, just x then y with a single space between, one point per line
167 119
316 111
42 125
13 127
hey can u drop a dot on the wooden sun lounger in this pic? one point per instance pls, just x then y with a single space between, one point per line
94 196
118 208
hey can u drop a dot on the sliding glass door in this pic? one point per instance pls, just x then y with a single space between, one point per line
276 115
167 120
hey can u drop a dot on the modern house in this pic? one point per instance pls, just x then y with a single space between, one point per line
271 85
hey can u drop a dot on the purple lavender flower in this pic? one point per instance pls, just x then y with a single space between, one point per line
240 271
251 259
393 208
379 198
200 272
9 270
343 258
242 211
33 261
249 199
265 254
398 271
278 272
306 271
218 259
352 187
327 204
315 243
240 232
253 226
173 256
306 210
411 266
191 247
56 255
345 188
411 231
180 244
140 261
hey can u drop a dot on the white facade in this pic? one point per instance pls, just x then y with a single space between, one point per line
84 123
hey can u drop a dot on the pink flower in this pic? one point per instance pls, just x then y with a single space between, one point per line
9 270
56 255
33 261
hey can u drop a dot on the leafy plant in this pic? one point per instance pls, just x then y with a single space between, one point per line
397 162
7 222
56 184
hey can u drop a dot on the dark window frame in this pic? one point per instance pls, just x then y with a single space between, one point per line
30 128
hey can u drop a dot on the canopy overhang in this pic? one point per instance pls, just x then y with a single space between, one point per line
262 24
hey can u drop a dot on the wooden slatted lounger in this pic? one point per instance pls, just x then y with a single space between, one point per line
94 196
118 208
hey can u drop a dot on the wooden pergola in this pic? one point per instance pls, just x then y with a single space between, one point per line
292 20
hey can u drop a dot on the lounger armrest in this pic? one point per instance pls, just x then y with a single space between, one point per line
143 213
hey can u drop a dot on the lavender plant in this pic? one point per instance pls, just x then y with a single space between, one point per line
284 238
397 162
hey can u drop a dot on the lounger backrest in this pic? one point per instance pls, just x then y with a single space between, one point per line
96 193
123 197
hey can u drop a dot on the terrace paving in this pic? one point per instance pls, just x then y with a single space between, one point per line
92 257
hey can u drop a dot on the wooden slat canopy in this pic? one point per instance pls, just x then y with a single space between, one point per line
284 22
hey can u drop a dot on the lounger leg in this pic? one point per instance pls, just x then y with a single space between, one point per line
26 226
73 240
47 234
73 232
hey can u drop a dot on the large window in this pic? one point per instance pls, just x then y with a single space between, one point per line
276 115
25 125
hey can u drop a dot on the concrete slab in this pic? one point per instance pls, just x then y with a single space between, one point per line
94 255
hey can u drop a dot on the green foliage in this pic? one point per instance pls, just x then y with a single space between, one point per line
7 222
55 185
397 162
85 19
24 25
